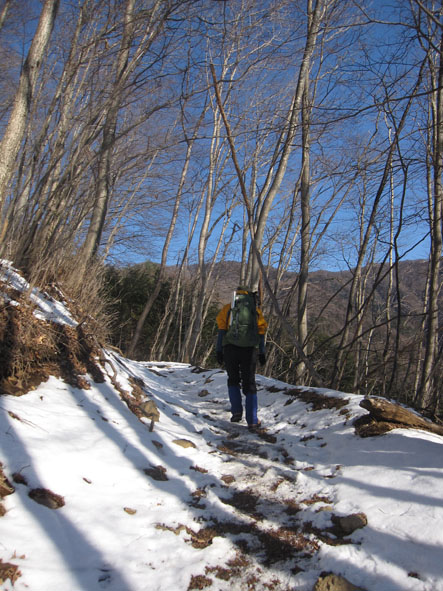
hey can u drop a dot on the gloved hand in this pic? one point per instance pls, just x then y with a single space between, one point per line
220 358
262 358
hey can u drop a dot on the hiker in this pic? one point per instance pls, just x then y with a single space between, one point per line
241 332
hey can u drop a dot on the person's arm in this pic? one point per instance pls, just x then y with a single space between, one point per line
262 350
221 334
222 317
222 323
262 327
219 346
262 345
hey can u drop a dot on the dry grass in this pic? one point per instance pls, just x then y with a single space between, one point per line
82 291
32 349
9 571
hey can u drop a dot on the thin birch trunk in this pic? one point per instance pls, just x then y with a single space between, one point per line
4 12
305 190
15 129
427 393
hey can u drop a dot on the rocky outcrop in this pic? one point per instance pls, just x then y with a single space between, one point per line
331 582
385 416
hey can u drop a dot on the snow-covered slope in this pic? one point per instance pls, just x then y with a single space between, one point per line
201 503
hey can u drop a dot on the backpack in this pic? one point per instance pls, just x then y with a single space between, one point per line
243 327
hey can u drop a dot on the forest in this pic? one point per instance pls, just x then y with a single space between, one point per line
156 153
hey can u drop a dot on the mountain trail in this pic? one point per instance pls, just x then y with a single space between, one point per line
258 502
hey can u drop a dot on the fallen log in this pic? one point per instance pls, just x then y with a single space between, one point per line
385 416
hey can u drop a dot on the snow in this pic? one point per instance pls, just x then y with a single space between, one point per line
122 530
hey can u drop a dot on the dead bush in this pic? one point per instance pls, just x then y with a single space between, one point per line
79 287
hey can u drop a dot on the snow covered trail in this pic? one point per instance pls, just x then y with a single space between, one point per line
316 466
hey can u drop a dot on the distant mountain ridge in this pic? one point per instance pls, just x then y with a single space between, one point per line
324 284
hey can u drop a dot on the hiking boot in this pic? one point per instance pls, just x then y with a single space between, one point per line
255 427
236 417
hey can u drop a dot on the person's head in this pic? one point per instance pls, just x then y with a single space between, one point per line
247 289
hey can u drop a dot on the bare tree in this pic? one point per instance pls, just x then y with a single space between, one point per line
125 65
173 222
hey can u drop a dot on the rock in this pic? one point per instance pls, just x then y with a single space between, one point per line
228 479
150 411
46 497
349 523
18 478
385 416
331 582
184 443
156 472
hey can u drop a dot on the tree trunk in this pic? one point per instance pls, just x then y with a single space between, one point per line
427 393
4 12
302 309
127 61
15 129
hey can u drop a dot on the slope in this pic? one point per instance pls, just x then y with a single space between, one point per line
98 495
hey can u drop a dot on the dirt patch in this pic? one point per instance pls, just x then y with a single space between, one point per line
246 502
219 572
292 507
269 546
285 543
263 434
9 571
6 487
32 349
199 469
275 389
316 400
317 499
200 539
199 582
236 568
